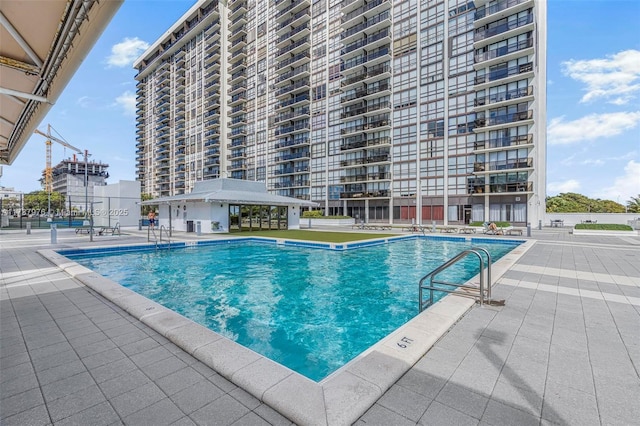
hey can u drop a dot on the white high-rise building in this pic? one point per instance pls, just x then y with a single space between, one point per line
388 111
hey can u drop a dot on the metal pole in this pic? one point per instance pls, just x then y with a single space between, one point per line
91 223
21 208
86 180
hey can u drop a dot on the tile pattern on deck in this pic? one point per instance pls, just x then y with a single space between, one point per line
565 349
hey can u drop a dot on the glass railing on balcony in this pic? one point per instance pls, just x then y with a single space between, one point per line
363 26
504 96
503 142
295 100
504 118
302 168
292 156
362 9
295 17
504 73
502 27
291 142
286 49
293 32
371 72
291 74
300 83
365 194
483 11
365 41
362 59
293 59
293 5
504 50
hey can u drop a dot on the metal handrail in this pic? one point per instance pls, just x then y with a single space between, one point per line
166 232
456 287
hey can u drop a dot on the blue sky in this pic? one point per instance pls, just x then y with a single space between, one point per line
593 70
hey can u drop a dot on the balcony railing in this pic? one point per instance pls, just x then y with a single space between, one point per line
503 142
504 73
504 96
504 118
485 32
504 50
362 9
363 26
495 8
364 194
523 163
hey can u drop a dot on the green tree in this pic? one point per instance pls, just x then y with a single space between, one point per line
633 205
39 200
146 209
577 203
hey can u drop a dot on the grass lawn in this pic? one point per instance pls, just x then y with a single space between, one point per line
326 237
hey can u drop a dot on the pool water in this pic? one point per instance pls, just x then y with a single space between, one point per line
309 309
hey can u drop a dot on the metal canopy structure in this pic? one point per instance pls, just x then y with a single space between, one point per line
42 44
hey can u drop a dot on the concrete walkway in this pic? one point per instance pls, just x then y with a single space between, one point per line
565 349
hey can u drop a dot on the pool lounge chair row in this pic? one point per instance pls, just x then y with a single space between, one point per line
450 229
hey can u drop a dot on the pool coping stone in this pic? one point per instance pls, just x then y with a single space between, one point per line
339 399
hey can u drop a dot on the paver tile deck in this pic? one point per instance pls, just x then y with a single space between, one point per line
563 349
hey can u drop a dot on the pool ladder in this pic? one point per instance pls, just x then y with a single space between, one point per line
481 293
152 231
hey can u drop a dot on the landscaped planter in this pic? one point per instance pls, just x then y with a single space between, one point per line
304 221
604 232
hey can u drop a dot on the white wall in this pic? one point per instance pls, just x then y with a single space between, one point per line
571 219
118 202
207 213
204 212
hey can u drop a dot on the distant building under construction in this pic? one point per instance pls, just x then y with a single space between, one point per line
69 180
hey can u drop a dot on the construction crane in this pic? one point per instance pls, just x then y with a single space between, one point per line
48 171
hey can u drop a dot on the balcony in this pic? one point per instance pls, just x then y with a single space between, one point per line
384 193
362 161
304 29
292 156
291 170
293 61
503 96
485 11
379 70
292 89
504 50
504 142
359 142
371 41
487 32
367 10
301 44
502 165
359 28
504 73
478 188
370 59
296 19
504 119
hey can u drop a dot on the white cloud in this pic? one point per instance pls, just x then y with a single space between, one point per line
570 185
590 127
84 101
127 101
615 78
624 187
124 53
596 162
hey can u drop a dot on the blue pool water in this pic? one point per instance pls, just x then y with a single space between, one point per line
311 310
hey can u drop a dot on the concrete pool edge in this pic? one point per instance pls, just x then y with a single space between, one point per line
339 399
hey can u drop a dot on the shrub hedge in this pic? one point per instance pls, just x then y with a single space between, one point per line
604 226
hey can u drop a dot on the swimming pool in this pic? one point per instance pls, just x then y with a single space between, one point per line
310 310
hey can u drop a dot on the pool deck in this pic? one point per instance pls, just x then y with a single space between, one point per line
565 348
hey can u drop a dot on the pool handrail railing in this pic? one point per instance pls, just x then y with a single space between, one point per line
481 293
